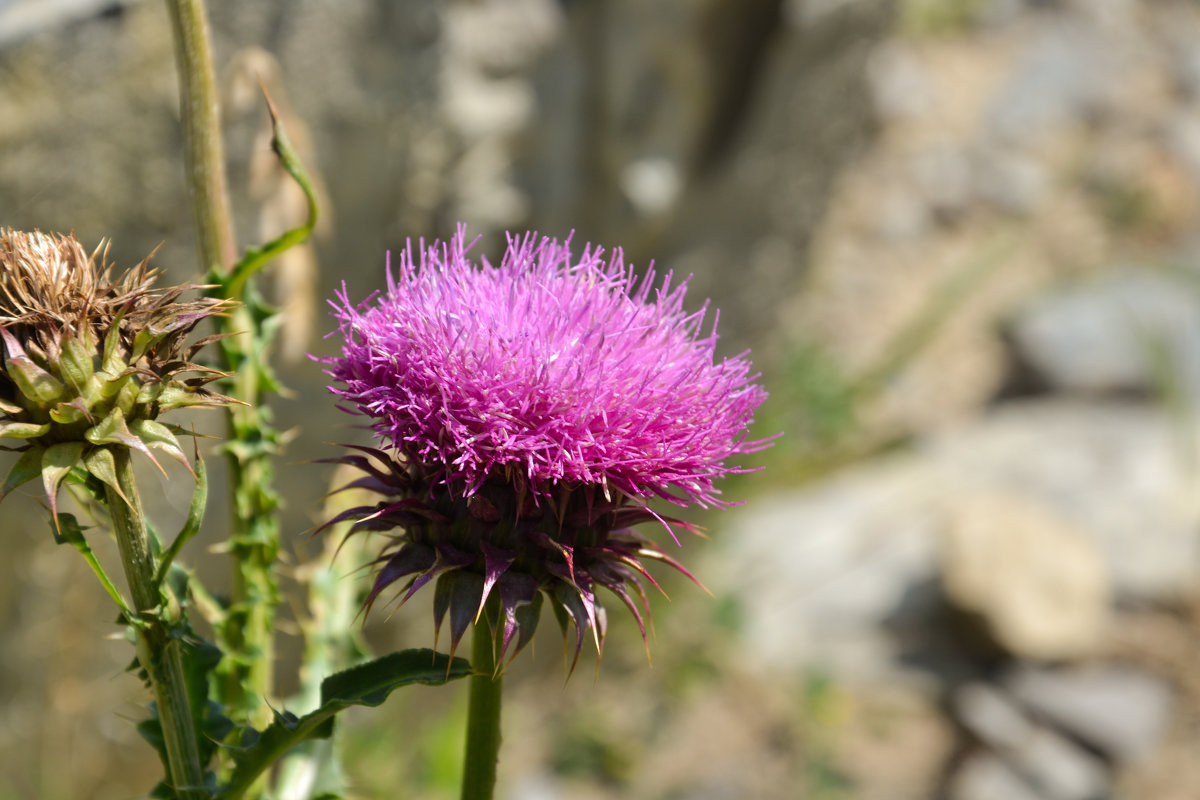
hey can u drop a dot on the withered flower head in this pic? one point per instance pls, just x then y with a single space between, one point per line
528 413
90 360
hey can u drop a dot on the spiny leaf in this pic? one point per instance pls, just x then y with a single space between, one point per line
365 685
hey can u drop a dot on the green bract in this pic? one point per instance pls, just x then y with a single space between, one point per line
89 361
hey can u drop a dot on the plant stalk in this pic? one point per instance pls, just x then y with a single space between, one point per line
254 535
200 111
254 538
158 653
332 642
483 717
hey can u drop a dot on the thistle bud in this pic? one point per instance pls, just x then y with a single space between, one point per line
87 358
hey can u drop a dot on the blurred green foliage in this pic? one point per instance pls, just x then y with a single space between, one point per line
937 17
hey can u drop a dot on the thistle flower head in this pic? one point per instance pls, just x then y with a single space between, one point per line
88 361
528 413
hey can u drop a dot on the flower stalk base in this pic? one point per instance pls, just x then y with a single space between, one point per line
158 653
483 716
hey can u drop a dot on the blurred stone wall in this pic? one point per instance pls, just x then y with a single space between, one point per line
987 207
702 134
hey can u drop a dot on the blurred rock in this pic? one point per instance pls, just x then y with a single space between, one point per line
1185 60
1010 180
1119 471
1183 136
894 741
992 717
900 85
819 571
1121 712
22 18
1056 80
1125 329
1054 767
652 184
985 776
1038 584
1081 494
942 173
901 217
1109 13
537 786
1001 12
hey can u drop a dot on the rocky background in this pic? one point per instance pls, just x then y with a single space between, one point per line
961 238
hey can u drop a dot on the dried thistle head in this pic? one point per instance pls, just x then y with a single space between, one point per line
88 361
43 276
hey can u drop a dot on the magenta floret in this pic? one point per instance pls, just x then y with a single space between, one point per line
555 369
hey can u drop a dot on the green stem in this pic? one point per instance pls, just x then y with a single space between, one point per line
331 644
158 653
483 717
201 117
254 539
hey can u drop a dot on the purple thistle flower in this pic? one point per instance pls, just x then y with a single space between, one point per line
529 412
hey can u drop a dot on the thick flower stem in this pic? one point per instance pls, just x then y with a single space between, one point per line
201 118
483 717
158 653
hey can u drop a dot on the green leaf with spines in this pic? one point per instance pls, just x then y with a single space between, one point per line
365 685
